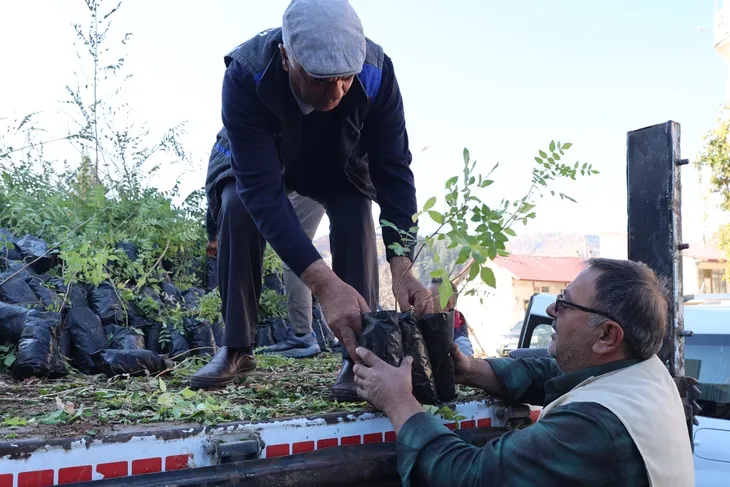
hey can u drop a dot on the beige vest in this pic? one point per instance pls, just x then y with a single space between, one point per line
645 398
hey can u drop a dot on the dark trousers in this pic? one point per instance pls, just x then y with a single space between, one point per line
241 251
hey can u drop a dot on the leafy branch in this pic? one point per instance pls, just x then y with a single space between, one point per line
479 231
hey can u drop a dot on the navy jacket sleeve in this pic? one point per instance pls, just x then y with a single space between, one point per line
257 167
524 378
390 159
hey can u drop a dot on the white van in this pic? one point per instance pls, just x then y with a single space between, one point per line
707 358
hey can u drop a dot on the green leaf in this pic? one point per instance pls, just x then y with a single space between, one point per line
187 393
438 273
9 360
567 146
552 146
543 154
429 204
488 278
445 293
466 155
436 216
538 159
485 183
162 385
463 255
473 271
452 181
510 232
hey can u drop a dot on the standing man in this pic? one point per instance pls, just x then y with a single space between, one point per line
240 298
314 108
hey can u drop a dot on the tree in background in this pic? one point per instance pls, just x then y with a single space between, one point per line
715 160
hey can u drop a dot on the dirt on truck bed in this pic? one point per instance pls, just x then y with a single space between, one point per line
81 405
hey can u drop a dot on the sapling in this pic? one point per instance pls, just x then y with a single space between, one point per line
479 231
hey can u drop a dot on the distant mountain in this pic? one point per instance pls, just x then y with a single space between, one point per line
555 245
541 244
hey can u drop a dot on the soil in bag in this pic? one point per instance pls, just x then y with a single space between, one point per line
381 335
152 338
438 333
35 251
133 362
424 386
200 337
12 321
38 354
14 290
123 338
264 335
177 344
106 304
280 328
87 337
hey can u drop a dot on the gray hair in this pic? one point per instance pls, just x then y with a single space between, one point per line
633 294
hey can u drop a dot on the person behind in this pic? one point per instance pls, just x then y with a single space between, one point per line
612 413
226 207
314 108
461 329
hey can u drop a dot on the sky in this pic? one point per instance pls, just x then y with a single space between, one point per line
501 78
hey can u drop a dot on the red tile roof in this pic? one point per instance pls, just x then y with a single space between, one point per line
538 268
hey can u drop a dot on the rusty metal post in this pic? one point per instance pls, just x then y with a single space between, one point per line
655 222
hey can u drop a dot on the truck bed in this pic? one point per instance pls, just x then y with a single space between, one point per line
278 427
82 405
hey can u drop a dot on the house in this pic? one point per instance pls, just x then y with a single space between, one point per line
491 313
703 268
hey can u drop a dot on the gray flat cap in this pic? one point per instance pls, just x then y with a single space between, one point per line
325 37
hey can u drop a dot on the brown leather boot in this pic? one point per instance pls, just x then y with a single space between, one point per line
227 364
344 389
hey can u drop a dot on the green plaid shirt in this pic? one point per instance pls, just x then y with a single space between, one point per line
580 443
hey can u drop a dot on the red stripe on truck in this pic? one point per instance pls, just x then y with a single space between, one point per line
71 475
484 423
373 438
177 462
6 480
277 451
113 470
148 465
302 447
327 443
350 440
39 478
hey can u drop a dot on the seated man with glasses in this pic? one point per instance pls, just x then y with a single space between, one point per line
611 414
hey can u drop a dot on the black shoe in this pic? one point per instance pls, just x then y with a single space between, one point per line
345 389
222 370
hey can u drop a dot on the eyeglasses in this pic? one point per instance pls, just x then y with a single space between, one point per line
560 303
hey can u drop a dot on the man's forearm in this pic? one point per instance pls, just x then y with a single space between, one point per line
482 377
318 276
402 412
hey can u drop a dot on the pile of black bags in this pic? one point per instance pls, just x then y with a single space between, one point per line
90 328
94 330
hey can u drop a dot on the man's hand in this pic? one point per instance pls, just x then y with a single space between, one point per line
386 387
475 373
341 304
212 249
462 366
407 290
